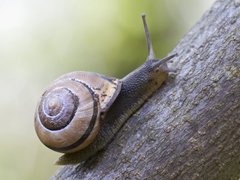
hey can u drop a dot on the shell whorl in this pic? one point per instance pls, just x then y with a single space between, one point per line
68 115
58 108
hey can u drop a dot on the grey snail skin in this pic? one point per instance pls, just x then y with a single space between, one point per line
81 112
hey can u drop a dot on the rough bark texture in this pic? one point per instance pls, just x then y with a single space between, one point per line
190 128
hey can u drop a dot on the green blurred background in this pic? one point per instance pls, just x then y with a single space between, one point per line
40 40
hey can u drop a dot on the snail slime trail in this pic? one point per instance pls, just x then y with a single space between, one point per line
81 112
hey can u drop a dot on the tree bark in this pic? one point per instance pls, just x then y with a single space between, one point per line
190 128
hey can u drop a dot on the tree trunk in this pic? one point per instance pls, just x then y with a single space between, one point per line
190 128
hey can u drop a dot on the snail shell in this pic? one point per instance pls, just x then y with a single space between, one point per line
68 116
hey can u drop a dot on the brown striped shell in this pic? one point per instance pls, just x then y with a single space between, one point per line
67 118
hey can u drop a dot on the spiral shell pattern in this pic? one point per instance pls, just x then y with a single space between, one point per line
68 116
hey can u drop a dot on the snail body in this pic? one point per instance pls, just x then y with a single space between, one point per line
81 120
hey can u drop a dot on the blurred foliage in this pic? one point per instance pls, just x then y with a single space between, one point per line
40 40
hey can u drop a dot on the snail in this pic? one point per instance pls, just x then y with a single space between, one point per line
81 112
